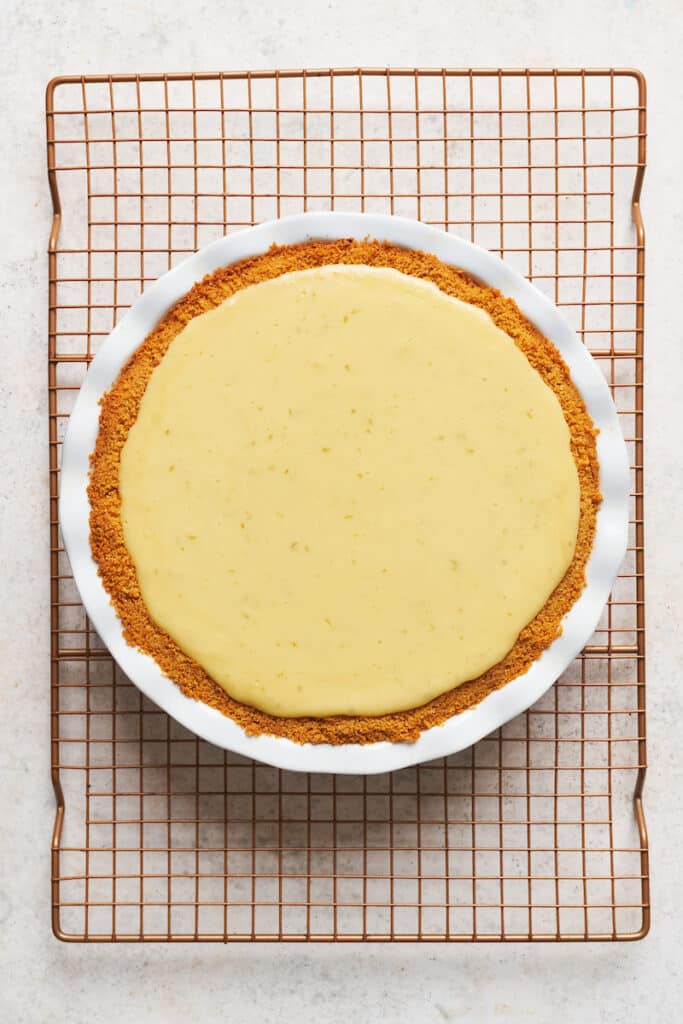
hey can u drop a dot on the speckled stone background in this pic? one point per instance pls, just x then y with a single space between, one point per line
40 979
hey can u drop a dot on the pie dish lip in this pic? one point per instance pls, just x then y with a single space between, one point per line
498 707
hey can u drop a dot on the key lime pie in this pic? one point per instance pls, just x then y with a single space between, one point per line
342 492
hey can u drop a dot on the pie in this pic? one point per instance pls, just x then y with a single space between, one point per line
342 492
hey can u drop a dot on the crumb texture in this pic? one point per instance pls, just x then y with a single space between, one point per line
119 412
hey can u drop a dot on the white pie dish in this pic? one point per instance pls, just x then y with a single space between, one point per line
462 730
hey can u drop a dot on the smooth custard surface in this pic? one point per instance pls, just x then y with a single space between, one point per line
346 492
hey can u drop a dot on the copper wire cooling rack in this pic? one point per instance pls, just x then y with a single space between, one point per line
538 831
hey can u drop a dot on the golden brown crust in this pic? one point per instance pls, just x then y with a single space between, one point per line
119 412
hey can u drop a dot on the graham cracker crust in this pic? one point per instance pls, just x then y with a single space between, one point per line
120 409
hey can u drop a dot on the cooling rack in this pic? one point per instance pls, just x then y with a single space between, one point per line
538 831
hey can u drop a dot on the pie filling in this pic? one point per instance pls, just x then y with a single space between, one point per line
346 492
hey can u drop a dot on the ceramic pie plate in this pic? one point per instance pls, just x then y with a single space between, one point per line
463 729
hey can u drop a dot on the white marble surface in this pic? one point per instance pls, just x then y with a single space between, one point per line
42 979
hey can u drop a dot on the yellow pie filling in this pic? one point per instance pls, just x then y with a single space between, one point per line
346 492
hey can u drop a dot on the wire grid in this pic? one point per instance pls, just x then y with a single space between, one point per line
538 831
